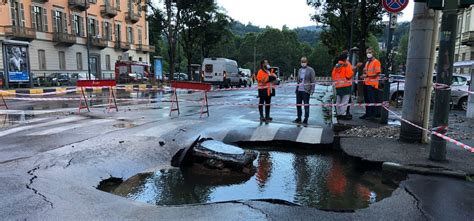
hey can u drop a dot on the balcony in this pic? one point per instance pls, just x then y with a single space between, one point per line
145 48
468 38
124 46
64 39
20 33
133 17
98 42
108 11
81 5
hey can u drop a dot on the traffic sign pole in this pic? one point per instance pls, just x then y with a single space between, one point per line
387 68
393 7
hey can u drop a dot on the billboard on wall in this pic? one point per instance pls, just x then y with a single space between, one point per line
158 69
16 63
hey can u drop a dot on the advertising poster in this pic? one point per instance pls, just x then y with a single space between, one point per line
158 69
17 63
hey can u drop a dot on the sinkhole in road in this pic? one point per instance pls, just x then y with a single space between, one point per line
328 180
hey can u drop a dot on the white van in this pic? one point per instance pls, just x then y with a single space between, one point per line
221 71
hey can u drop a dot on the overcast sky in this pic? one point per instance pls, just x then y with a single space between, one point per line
276 13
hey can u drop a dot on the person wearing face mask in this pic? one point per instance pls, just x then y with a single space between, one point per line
371 78
265 89
342 74
306 83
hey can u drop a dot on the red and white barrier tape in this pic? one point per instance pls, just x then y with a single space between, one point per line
442 136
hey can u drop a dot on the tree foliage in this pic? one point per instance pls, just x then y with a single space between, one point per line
336 16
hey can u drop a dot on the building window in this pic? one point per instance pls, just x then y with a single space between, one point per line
468 21
59 22
93 1
130 35
117 4
472 56
107 30
79 61
118 32
62 60
463 56
140 59
459 26
107 63
456 58
93 27
77 25
139 36
17 13
42 59
39 18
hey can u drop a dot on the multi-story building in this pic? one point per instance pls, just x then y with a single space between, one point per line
464 51
43 37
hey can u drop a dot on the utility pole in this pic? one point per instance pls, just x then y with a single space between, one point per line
88 43
418 72
444 76
387 68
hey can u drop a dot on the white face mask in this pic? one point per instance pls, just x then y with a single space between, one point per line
304 65
369 56
268 67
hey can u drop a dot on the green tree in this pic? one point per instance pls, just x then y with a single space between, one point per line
336 17
402 51
321 60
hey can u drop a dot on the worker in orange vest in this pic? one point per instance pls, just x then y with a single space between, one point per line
265 89
371 77
342 74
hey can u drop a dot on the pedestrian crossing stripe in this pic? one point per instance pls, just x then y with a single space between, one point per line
46 124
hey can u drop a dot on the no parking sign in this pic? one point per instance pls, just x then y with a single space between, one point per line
394 6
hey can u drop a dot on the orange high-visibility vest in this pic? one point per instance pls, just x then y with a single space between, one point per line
372 69
342 74
263 81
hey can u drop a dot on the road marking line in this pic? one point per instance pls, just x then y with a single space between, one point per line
265 133
162 129
310 135
19 129
69 127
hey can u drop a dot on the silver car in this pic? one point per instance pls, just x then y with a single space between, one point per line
459 87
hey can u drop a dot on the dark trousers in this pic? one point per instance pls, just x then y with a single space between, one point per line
302 97
265 100
369 97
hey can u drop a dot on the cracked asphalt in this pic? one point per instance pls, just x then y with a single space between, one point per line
51 171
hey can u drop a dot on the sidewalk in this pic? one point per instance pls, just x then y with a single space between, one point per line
372 141
73 89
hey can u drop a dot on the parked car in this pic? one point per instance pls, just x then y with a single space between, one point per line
245 77
458 95
180 77
60 79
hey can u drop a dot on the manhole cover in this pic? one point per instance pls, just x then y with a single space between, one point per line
125 125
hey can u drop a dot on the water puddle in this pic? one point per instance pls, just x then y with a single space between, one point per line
322 180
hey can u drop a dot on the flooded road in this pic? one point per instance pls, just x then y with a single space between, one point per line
322 180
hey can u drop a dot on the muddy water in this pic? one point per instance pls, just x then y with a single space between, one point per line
325 181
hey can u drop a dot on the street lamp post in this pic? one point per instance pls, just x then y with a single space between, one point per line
88 43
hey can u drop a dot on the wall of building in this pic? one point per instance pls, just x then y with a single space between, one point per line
44 39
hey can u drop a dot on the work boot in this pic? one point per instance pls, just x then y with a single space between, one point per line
262 119
363 116
347 117
305 121
297 121
268 119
